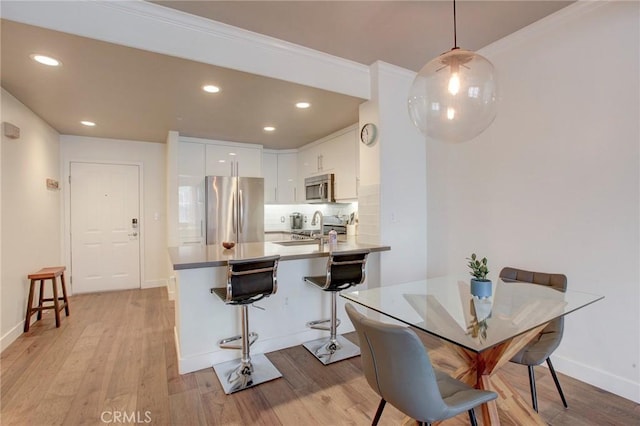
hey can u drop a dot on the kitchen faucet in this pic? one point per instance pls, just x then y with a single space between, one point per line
314 221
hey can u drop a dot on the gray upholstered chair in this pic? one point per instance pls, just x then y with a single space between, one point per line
540 348
344 269
247 282
397 367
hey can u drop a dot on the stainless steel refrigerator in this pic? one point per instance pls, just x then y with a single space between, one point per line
234 209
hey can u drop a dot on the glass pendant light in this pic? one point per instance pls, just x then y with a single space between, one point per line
453 98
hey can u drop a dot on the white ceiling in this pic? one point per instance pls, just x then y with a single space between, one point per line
140 95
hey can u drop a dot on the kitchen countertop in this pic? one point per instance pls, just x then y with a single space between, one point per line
198 256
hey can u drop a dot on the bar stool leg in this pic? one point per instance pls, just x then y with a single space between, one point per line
246 358
336 348
64 294
250 371
27 320
56 307
40 299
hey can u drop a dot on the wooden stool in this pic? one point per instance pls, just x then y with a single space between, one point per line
43 274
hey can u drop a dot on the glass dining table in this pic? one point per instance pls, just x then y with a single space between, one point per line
481 334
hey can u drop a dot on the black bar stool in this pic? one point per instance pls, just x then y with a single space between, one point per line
344 269
247 282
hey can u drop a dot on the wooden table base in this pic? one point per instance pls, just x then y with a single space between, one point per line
481 371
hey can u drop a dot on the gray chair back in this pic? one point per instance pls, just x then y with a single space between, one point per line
541 347
397 366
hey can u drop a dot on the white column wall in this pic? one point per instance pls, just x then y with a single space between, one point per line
31 214
402 179
155 266
554 184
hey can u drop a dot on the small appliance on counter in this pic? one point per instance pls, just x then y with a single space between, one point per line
296 220
333 223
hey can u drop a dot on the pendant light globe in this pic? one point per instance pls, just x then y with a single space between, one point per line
454 96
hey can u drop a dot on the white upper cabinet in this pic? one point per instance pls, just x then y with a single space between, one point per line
336 154
270 172
344 164
280 177
233 160
198 158
288 178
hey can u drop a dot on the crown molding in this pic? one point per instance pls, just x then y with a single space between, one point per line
394 69
159 29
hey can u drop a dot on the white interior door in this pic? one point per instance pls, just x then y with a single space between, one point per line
105 234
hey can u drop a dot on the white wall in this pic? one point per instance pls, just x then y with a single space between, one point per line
155 268
31 213
554 185
400 176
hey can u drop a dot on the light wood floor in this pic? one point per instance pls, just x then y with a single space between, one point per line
115 356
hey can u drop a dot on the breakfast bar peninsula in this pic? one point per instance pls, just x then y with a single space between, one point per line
202 319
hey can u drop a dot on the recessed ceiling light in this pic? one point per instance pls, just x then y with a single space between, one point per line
87 123
45 60
232 153
211 88
269 128
303 105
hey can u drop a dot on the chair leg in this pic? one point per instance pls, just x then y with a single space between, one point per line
378 412
555 379
472 418
532 384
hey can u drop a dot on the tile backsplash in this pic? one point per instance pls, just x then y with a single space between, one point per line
276 216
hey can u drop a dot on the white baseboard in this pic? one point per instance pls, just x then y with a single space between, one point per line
11 336
621 386
154 283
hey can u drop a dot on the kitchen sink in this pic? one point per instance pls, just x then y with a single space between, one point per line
304 242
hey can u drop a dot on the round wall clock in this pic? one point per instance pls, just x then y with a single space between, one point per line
368 134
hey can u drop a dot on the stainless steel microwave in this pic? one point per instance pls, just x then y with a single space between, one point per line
319 189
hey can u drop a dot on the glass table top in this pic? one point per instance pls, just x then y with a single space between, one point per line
444 307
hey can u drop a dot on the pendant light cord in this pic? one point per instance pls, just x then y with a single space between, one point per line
455 30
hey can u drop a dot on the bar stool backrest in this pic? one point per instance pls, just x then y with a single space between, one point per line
345 269
251 280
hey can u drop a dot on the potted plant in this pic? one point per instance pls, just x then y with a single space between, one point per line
480 285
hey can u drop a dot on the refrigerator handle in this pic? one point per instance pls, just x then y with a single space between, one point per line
233 213
241 216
